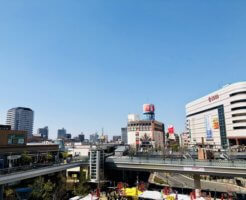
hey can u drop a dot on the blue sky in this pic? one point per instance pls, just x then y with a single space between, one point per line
84 65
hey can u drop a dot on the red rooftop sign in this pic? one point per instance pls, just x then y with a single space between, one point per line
213 98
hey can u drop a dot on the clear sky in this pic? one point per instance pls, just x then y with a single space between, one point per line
84 65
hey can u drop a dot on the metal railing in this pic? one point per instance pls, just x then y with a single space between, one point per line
181 162
35 166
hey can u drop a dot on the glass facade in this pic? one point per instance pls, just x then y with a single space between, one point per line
222 126
16 139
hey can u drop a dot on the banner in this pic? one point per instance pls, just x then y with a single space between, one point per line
209 131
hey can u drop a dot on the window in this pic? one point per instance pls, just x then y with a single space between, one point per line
239 127
236 93
238 101
16 139
238 108
239 115
239 121
223 135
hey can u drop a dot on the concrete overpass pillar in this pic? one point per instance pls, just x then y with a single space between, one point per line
197 184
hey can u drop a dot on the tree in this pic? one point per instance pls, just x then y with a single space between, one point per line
132 151
60 187
48 190
42 190
48 157
9 194
175 147
83 187
25 158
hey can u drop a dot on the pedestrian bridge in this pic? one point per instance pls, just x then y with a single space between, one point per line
200 167
13 175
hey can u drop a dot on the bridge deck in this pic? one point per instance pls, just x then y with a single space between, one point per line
214 167
21 175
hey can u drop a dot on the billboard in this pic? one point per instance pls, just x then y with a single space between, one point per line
212 123
148 108
216 124
171 129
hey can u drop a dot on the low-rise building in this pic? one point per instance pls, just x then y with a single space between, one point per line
146 133
14 143
185 139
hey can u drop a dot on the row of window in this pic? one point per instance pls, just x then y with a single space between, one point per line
239 127
141 128
236 93
239 115
145 124
16 139
239 108
238 101
239 121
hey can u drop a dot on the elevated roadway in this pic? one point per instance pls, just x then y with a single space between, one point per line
33 172
183 166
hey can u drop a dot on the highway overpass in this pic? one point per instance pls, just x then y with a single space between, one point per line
31 173
184 166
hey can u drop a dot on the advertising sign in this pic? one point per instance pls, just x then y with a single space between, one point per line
216 124
209 131
148 108
194 169
171 129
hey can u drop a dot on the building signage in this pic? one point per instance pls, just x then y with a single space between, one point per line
194 169
213 98
209 131
216 124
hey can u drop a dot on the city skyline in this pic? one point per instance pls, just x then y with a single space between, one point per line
87 65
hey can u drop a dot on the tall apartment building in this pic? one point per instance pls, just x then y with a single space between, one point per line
21 119
44 132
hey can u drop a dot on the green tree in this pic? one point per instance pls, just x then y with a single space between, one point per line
82 188
49 157
42 190
175 147
48 190
60 192
132 151
25 158
9 194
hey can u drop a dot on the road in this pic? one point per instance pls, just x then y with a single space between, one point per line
179 181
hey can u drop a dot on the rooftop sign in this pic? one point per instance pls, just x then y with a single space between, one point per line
213 98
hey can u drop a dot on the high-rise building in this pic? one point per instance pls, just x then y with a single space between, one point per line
44 132
124 135
61 133
21 119
81 137
94 138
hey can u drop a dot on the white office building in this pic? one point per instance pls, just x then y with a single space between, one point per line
219 119
21 119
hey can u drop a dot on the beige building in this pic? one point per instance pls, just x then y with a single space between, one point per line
145 133
219 119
